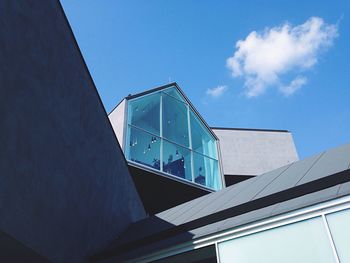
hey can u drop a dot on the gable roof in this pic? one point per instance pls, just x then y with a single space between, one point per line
177 87
313 180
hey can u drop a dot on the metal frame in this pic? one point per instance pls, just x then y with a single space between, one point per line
330 238
174 84
167 175
189 106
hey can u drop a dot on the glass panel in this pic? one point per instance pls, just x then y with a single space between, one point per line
202 140
206 171
177 160
174 93
339 225
143 148
175 123
144 113
305 241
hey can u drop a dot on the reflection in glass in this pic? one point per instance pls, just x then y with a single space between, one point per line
144 113
339 225
175 122
174 93
206 171
203 142
177 160
159 126
144 148
304 241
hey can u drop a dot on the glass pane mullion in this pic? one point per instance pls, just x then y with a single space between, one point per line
205 155
190 141
174 121
161 131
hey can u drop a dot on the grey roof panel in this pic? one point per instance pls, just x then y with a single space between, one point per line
201 203
306 200
211 204
331 162
291 176
344 189
233 195
273 210
244 219
206 230
253 190
276 192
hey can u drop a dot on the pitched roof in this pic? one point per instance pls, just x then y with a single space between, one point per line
177 87
313 180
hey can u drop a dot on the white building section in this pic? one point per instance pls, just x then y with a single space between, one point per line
253 152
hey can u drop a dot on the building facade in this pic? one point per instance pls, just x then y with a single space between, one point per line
146 183
161 131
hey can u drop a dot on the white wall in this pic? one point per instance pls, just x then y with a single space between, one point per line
253 152
117 119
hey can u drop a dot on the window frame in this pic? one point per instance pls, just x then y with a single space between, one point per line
190 110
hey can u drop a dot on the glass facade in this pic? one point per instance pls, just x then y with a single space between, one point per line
314 234
290 243
164 133
319 239
339 225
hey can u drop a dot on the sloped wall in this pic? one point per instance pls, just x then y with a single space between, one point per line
65 190
117 119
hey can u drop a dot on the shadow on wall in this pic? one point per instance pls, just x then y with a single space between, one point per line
65 188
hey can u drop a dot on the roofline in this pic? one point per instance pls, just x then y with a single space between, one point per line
129 97
172 84
116 106
249 129
282 196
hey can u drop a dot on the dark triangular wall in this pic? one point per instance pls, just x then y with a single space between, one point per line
65 190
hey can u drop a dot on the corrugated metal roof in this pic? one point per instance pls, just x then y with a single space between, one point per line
316 179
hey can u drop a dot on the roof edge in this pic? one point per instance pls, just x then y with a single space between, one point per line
278 197
249 129
130 96
172 84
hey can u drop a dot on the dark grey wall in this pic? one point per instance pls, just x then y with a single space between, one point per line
65 190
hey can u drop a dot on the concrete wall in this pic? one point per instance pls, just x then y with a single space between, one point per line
253 152
117 119
65 190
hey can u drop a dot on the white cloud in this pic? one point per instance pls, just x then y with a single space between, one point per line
295 84
262 58
217 92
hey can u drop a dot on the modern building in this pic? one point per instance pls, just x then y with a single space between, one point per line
172 153
174 156
161 131
297 213
148 182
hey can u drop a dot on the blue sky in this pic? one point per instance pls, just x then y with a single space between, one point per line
251 64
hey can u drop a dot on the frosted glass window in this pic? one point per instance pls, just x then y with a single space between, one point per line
144 113
202 141
339 225
305 241
175 121
143 148
177 160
